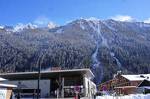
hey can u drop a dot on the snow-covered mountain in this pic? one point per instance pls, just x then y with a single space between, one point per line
1 27
105 46
51 25
19 27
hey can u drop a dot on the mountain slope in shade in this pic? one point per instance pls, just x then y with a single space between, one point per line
105 46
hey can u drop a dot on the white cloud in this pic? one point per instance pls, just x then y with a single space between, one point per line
147 20
125 18
42 21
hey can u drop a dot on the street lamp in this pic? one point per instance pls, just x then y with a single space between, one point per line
39 77
39 62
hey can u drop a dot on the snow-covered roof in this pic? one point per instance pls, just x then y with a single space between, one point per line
7 85
126 87
2 79
139 77
146 87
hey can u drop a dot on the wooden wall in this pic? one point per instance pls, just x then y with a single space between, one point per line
126 90
9 93
121 82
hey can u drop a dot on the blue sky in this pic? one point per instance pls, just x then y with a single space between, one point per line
61 11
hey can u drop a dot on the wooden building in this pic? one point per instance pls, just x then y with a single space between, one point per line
123 84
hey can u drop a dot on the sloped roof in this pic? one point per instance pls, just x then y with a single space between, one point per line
8 85
125 87
2 79
145 83
48 74
139 77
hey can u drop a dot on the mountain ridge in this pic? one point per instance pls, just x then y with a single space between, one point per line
105 46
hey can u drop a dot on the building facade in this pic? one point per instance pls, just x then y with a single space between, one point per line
54 83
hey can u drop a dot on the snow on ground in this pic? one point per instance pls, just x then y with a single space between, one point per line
133 96
59 31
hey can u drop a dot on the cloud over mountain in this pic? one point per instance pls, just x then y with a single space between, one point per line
123 18
147 20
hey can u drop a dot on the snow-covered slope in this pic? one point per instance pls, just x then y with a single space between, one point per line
1 27
19 27
51 25
132 96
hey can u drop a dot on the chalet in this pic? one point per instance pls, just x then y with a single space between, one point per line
53 83
124 84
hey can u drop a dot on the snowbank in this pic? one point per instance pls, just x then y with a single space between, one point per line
133 96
